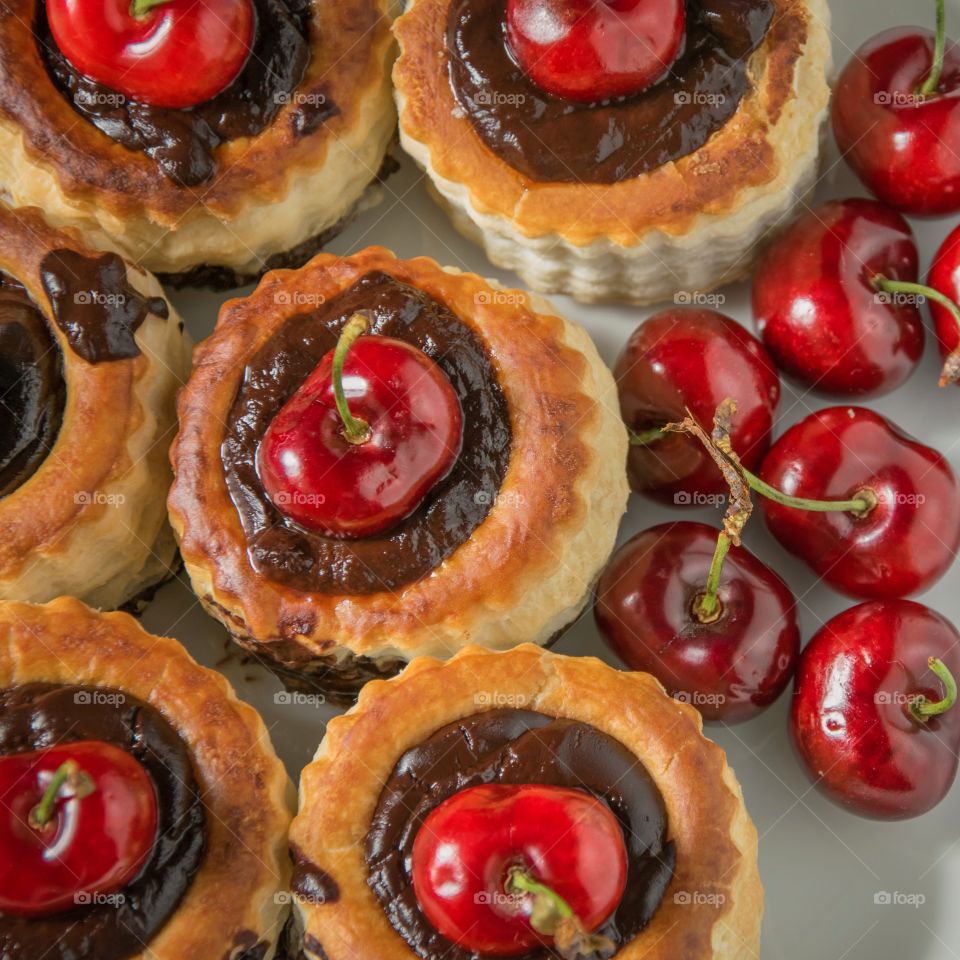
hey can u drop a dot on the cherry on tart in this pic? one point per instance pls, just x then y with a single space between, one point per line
896 117
874 715
502 869
835 299
593 50
681 360
731 656
944 279
167 53
364 439
79 819
880 512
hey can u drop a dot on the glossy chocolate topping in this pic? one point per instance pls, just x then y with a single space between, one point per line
550 139
517 747
94 305
309 883
31 387
308 561
36 715
182 142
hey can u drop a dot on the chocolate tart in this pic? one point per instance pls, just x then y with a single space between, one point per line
523 716
266 171
504 549
212 886
670 192
91 357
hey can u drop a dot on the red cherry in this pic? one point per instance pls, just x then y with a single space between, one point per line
412 423
564 839
945 278
592 50
731 667
819 309
92 844
684 359
904 543
854 721
903 145
168 53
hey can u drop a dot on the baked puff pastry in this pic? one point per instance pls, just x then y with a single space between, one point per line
259 176
92 356
666 193
521 717
213 882
505 548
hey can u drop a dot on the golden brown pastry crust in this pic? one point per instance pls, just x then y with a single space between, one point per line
713 180
90 520
245 789
715 839
527 570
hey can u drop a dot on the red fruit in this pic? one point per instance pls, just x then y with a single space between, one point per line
93 844
731 668
945 277
168 53
591 50
905 543
852 720
693 359
566 839
318 478
903 146
817 306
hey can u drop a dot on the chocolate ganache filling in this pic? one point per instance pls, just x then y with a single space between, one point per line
517 747
38 715
32 389
305 560
551 139
182 142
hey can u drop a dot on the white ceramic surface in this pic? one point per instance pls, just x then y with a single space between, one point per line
826 872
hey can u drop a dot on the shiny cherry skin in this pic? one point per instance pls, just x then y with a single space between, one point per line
850 719
685 358
945 278
178 53
817 309
592 50
567 839
905 543
905 149
95 844
315 476
730 669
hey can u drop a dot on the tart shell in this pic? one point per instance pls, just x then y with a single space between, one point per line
245 789
527 570
714 904
684 228
90 522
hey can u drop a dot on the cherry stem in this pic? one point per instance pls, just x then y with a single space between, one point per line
707 605
922 708
933 79
68 772
646 438
354 430
140 8
950 371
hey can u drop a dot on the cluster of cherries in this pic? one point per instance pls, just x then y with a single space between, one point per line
874 512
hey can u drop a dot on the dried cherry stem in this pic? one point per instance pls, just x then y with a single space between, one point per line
552 916
922 708
355 430
930 85
67 774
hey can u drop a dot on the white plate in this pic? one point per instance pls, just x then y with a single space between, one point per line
823 869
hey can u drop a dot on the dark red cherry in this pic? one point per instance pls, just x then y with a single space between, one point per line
168 53
819 309
945 278
681 359
470 847
873 719
94 837
591 50
904 542
730 667
410 437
